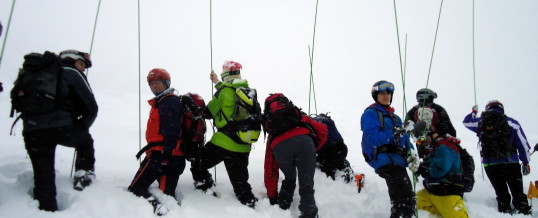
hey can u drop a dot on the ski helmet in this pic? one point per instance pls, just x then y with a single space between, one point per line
230 68
495 104
159 74
381 86
73 55
426 94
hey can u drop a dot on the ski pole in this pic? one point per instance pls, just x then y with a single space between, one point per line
7 31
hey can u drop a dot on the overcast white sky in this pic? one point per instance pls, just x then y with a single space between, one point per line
355 46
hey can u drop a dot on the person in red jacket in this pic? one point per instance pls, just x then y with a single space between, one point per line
164 159
293 151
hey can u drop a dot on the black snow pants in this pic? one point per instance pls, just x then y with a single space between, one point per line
508 176
296 157
236 164
333 159
41 148
151 169
400 188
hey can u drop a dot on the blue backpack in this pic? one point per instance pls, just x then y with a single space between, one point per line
334 136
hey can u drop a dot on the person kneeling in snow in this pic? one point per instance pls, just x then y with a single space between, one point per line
291 147
442 173
331 157
164 159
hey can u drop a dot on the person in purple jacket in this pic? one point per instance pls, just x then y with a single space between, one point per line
503 144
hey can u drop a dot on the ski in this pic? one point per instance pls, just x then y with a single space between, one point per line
359 181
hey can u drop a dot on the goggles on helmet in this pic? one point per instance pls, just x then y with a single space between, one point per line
383 86
229 73
494 104
77 55
425 94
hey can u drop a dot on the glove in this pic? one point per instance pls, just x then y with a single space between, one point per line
273 201
423 170
1 88
408 125
213 77
398 132
419 128
525 169
475 109
167 156
413 160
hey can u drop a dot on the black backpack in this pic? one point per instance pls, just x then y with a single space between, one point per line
467 165
495 135
34 91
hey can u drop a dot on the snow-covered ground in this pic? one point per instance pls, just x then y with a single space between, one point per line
355 46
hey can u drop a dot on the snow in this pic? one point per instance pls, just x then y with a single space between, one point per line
355 46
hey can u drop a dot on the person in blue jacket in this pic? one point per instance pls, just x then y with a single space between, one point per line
386 149
503 144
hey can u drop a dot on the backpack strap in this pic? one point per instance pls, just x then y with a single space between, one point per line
381 119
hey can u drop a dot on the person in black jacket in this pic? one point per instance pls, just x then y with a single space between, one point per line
68 125
435 115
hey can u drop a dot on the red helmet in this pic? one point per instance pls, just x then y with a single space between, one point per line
158 74
231 66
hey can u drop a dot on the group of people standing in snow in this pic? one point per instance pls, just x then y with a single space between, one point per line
297 144
386 147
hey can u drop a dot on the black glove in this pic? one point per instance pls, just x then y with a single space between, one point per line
398 132
1 88
165 161
419 128
190 150
525 169
273 201
423 170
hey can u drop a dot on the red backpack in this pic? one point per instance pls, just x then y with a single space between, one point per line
194 126
280 115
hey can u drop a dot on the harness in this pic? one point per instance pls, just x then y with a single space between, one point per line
388 148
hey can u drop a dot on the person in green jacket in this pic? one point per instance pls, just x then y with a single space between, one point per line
223 145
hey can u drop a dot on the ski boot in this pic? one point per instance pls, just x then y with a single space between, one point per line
83 179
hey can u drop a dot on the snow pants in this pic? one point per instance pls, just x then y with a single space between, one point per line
236 164
296 157
333 159
401 193
447 206
151 169
41 148
508 176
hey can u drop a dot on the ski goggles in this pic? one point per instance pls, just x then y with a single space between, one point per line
494 104
383 86
77 55
229 73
